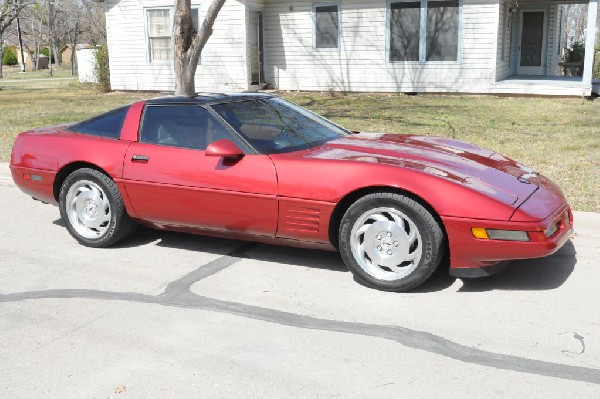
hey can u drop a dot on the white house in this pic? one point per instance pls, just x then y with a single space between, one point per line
466 46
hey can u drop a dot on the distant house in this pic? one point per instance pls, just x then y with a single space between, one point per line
451 46
29 65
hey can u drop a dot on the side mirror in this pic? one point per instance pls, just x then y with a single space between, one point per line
224 149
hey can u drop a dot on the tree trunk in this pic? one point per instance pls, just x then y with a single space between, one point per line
56 51
73 38
186 47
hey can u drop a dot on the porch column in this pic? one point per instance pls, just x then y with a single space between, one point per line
590 37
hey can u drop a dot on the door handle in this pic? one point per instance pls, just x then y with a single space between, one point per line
140 158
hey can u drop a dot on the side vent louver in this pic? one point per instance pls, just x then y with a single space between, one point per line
301 219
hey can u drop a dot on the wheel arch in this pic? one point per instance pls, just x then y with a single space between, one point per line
67 169
350 198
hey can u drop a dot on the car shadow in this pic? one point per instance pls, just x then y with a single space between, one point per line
546 273
312 258
529 274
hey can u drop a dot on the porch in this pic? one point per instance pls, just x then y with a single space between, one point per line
545 86
532 41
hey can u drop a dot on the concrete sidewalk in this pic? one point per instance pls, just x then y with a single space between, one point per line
37 80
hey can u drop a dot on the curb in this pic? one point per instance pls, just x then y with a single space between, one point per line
5 176
587 223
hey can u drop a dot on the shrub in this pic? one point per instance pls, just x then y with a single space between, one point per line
101 69
576 53
8 57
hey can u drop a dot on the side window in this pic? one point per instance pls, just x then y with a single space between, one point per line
183 126
105 125
327 26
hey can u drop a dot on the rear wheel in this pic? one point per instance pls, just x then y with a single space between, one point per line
92 208
390 242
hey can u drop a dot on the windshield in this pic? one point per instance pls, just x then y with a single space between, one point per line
274 125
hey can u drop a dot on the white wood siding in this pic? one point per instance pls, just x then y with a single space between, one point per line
223 61
360 63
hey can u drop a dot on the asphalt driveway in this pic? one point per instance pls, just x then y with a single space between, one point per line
178 316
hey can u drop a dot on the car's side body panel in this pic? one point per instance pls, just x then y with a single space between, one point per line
330 181
181 187
46 154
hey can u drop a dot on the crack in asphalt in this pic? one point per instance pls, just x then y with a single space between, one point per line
178 294
579 338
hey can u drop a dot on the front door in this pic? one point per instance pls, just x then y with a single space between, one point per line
532 46
171 182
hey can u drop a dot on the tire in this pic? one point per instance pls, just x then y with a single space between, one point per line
390 242
92 208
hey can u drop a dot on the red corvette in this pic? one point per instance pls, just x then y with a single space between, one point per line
259 168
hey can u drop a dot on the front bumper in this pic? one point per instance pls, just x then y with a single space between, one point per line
466 251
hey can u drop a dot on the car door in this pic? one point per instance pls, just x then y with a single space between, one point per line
171 182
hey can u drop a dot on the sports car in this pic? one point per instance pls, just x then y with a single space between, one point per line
256 167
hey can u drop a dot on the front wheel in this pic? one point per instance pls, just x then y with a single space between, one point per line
390 242
92 208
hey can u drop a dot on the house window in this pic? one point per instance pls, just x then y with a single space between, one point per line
425 30
405 24
159 34
327 26
442 30
159 30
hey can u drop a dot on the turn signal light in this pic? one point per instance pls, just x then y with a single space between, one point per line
480 232
503 235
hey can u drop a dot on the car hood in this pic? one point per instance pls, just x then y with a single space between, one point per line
483 170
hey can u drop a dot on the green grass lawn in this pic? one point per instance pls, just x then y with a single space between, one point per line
556 136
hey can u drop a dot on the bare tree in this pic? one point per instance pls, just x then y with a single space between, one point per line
574 25
74 10
187 45
93 23
59 17
9 11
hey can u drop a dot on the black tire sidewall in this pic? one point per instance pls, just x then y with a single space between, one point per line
429 229
96 177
